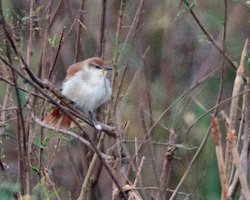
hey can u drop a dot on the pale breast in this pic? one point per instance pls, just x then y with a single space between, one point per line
87 89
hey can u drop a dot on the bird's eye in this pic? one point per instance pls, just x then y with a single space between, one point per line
97 67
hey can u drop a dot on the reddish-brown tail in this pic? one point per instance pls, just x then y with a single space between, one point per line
58 119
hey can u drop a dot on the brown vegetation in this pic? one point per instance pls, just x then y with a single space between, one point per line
171 70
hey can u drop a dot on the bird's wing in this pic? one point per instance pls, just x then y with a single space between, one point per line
72 70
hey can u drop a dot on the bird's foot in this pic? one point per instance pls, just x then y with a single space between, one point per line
73 104
96 125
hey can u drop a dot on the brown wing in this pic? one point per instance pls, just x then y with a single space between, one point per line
73 69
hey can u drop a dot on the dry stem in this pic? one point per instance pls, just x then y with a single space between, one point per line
236 159
219 155
234 104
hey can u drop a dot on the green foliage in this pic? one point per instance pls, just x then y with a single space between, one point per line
35 169
46 140
21 93
52 41
202 39
164 26
41 192
65 138
190 6
248 4
7 190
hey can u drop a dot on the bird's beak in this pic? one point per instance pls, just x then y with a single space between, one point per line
108 68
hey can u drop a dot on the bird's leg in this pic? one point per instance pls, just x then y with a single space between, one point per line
91 117
74 105
96 125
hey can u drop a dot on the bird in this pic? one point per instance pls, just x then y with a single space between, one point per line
87 86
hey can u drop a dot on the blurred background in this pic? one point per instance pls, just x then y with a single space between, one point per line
167 55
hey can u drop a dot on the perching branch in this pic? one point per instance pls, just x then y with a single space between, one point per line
71 118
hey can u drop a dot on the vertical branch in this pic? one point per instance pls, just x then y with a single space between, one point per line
5 100
236 89
116 50
219 155
236 159
147 84
20 117
138 176
210 38
78 34
224 59
234 104
29 48
131 33
165 172
116 168
244 152
114 75
197 153
88 175
57 54
102 30
117 149
20 114
152 155
122 59
20 157
20 135
28 100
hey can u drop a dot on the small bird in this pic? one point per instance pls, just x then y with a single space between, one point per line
86 86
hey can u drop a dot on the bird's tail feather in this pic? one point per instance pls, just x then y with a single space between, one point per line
58 119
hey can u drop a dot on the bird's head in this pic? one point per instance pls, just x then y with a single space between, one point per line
97 64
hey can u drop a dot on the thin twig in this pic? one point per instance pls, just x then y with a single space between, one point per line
213 108
102 30
211 39
152 155
71 118
197 153
57 54
130 35
12 84
179 99
165 172
79 33
139 172
53 17
116 55
155 188
45 84
55 151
